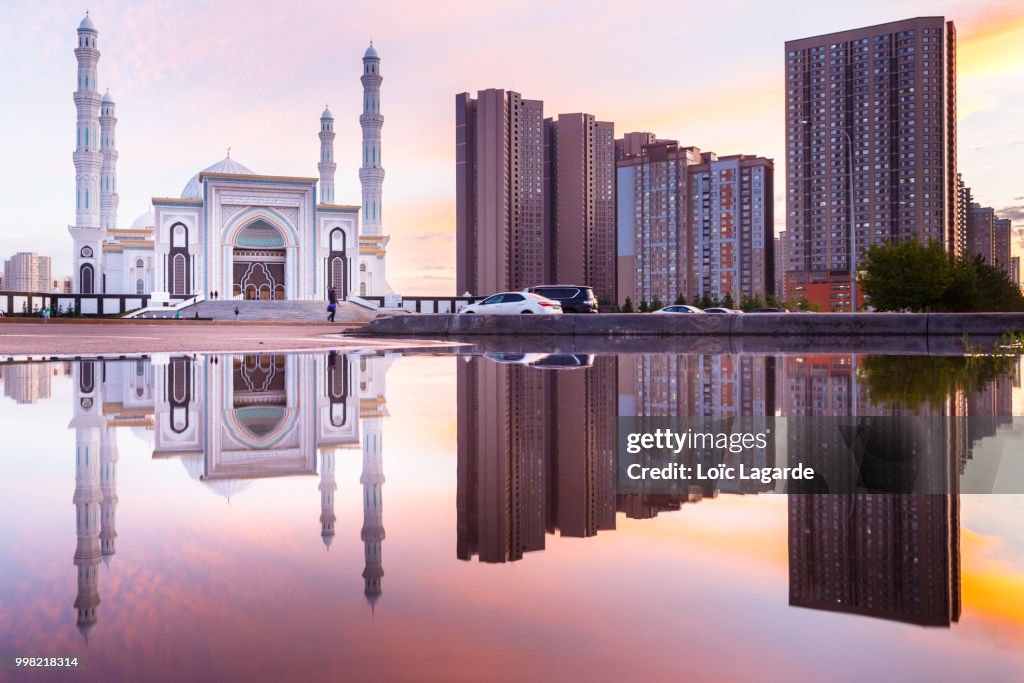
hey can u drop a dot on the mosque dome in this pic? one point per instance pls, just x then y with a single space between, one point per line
146 220
371 53
327 114
194 189
107 99
87 24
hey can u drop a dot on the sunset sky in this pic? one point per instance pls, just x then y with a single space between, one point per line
192 78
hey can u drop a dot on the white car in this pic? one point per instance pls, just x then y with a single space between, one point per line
679 309
720 309
514 303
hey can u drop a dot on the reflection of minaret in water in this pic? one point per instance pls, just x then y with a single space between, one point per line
88 426
108 487
372 534
327 489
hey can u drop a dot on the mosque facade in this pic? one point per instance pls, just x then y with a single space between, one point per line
232 232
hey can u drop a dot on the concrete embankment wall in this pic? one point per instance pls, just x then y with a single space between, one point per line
642 325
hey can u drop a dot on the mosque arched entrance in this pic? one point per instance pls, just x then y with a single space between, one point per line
258 262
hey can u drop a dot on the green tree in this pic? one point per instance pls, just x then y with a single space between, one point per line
657 304
906 276
644 308
680 301
915 277
627 307
704 302
727 301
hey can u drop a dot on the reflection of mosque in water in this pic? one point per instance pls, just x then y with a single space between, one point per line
229 420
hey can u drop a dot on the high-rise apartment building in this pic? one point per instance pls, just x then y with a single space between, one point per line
535 197
878 102
27 272
691 223
990 237
499 187
1002 244
1015 270
579 163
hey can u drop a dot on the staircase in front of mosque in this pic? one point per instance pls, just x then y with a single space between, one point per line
279 311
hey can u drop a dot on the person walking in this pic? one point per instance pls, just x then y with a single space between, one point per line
331 309
236 313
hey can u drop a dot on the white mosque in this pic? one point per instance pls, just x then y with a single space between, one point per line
232 231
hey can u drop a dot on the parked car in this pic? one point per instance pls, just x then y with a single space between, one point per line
574 298
514 303
719 309
768 310
563 361
679 308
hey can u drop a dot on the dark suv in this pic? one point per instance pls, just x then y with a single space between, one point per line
574 298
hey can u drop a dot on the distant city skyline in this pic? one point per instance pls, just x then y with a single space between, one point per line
179 109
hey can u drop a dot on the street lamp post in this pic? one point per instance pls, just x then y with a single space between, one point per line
853 225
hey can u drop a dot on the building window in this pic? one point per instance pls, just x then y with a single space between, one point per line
86 279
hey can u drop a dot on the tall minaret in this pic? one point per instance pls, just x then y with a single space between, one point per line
372 534
108 177
372 240
88 425
327 489
371 173
326 165
86 233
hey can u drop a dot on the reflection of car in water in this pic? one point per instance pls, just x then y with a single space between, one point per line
543 361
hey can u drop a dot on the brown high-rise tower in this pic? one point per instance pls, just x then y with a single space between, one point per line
889 92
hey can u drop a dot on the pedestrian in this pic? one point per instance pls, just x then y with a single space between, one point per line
332 295
211 295
197 315
236 313
331 308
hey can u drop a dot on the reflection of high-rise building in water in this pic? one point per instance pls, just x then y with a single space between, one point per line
691 387
30 382
535 454
229 420
889 556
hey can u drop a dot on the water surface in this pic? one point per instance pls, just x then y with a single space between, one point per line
379 516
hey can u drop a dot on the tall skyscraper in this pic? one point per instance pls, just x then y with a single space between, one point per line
499 187
882 101
1015 270
579 171
692 223
535 197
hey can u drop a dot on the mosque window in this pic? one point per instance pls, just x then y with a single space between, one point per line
140 263
86 252
140 286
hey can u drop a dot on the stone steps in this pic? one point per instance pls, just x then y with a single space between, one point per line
278 311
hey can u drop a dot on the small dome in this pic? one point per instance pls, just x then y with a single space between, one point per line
107 99
194 189
371 53
144 221
327 114
87 24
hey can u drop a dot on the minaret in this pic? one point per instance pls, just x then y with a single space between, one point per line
372 240
108 177
326 165
372 534
371 174
108 487
88 426
86 233
327 489
87 156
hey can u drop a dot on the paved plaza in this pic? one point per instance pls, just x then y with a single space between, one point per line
37 338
